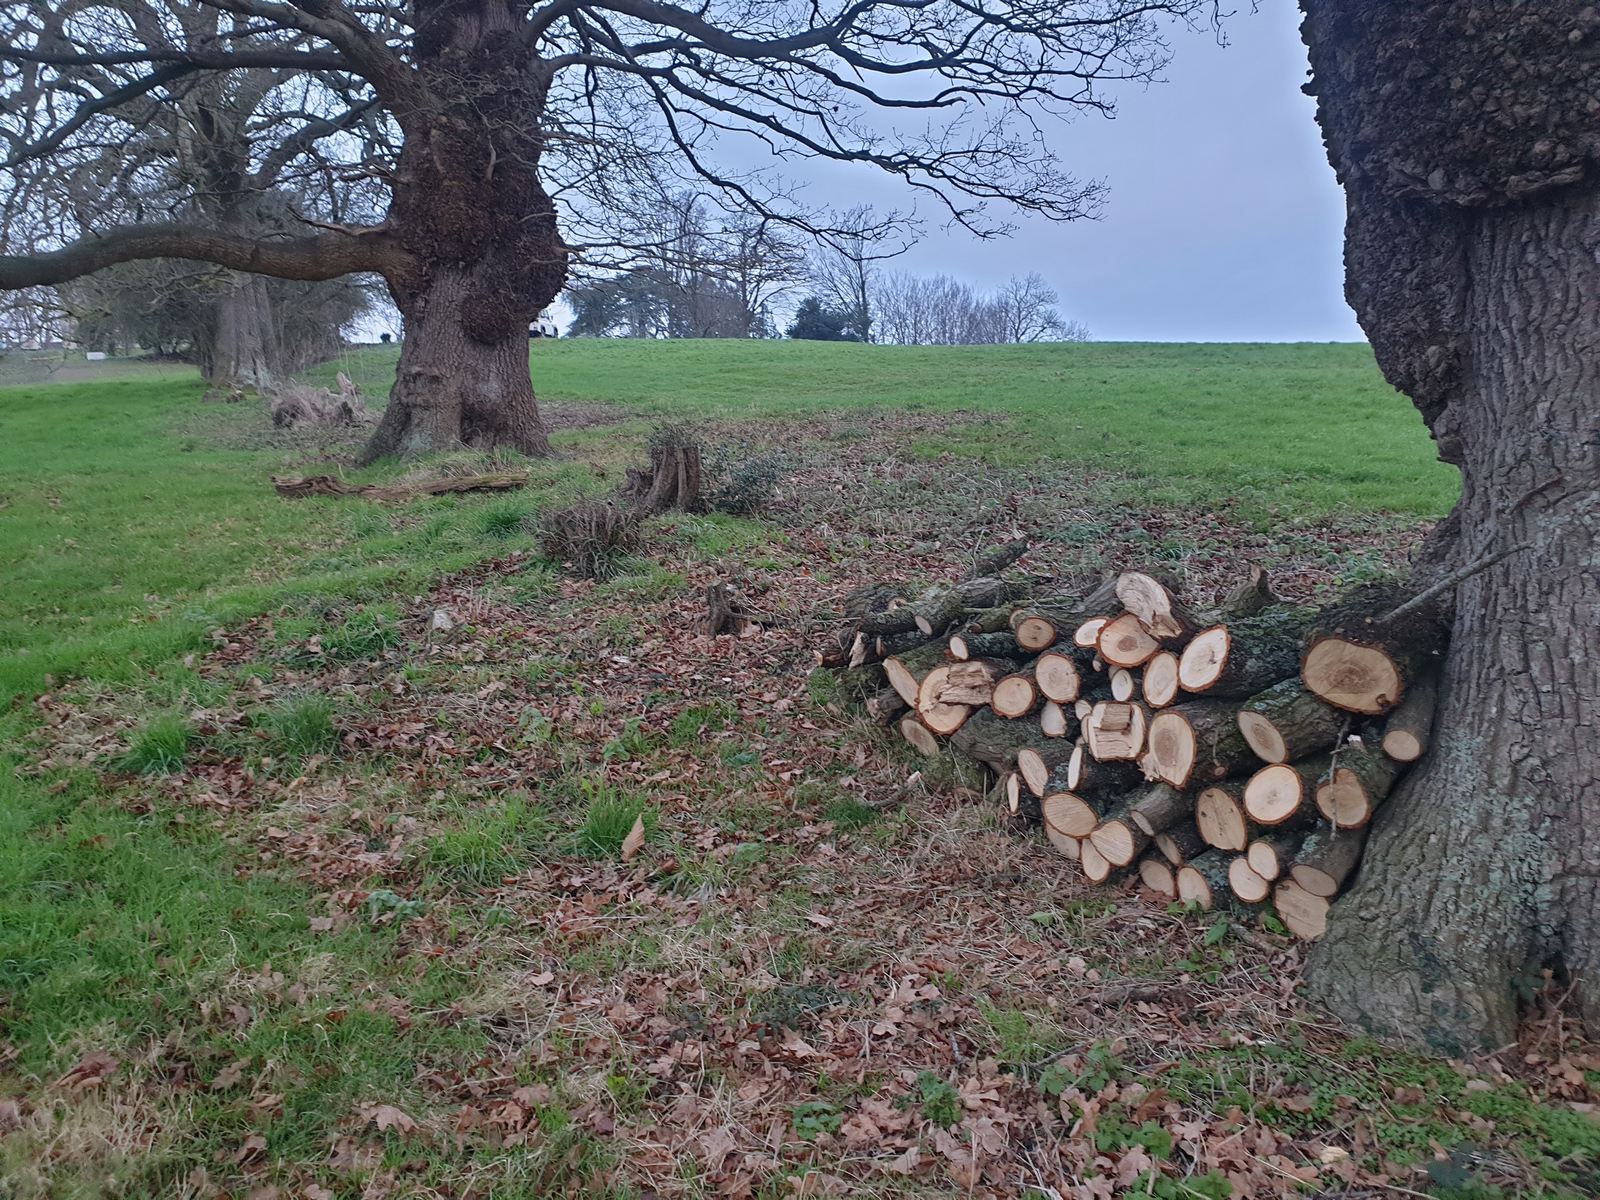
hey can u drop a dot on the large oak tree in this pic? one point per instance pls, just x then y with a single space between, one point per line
1467 138
521 126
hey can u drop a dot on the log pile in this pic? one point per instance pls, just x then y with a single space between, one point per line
1227 760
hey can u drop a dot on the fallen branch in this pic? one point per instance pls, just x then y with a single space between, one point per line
1449 581
328 485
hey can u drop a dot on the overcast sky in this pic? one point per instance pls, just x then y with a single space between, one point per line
1223 221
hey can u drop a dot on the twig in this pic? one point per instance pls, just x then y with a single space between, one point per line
1450 581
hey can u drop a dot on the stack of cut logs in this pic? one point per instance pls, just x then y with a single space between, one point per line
1224 759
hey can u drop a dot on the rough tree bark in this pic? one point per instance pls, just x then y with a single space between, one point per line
480 232
242 349
1467 142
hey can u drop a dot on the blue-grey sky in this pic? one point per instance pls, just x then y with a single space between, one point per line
1223 222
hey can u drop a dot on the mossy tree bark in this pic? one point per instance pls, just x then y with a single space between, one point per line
1467 144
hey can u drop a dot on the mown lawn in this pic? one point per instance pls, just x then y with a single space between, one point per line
303 893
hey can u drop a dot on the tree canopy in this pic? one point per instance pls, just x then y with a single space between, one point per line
493 142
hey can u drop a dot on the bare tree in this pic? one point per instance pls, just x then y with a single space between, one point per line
764 264
1027 310
844 271
522 126
1464 136
921 310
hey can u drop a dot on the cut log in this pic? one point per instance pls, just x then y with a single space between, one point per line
328 485
1245 883
1069 815
1087 635
1056 673
886 706
1193 744
919 735
997 558
1219 814
1305 915
1271 855
971 682
1012 782
1096 868
1088 776
1123 684
906 671
1327 859
1053 720
1203 881
1157 874
1067 847
1360 782
964 647
1286 722
1036 763
1114 731
1043 624
1283 794
1082 708
995 741
1124 642
1409 729
1249 598
1016 696
1247 656
1161 679
888 645
1159 807
1118 839
1361 663
938 714
991 620
942 606
1158 610
1180 843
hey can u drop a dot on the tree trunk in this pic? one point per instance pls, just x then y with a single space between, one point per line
453 389
482 251
1476 276
245 337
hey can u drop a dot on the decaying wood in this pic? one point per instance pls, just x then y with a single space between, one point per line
327 485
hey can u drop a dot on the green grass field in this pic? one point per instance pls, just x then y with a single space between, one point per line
1285 430
300 896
